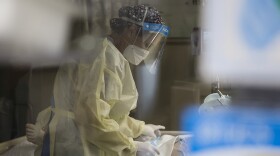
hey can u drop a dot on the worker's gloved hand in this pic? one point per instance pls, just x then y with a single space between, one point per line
34 134
143 138
152 130
145 148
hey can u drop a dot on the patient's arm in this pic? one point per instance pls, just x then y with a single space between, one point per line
34 134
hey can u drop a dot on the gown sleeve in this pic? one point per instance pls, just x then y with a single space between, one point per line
135 126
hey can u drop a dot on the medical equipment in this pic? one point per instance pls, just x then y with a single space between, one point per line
215 100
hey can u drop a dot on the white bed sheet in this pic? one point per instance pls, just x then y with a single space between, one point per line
24 148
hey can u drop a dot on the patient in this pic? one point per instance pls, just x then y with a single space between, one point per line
35 133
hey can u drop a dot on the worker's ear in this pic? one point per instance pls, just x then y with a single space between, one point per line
130 33
133 31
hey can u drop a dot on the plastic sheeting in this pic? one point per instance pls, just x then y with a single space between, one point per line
169 145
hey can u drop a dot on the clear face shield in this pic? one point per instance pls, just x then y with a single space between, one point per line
154 41
148 44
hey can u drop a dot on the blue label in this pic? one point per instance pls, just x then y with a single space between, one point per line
163 29
229 128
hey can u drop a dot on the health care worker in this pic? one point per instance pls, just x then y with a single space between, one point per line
93 97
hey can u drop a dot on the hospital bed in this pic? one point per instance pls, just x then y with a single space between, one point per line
22 147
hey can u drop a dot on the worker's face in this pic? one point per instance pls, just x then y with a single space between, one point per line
135 36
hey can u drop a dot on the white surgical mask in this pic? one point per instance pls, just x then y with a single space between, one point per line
135 54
